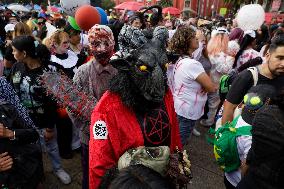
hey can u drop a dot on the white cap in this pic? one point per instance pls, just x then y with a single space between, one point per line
250 33
9 27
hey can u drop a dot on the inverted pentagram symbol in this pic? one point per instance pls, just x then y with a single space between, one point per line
156 126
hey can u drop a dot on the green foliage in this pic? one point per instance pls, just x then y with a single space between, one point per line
108 4
166 3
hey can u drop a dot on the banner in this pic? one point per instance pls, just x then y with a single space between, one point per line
223 11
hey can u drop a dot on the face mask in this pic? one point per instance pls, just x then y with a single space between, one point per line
102 50
148 76
102 58
101 43
156 158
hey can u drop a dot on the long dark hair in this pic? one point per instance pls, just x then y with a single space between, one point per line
268 43
262 39
32 48
247 40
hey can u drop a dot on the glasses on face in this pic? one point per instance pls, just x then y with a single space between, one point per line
40 23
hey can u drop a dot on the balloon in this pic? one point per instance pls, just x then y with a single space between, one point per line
103 15
87 16
70 6
250 17
73 23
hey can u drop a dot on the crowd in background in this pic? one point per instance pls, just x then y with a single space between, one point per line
203 51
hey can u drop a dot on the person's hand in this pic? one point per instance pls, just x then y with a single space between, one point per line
8 42
5 133
48 134
203 92
6 162
244 167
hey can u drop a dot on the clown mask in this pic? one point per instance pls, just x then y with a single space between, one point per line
101 43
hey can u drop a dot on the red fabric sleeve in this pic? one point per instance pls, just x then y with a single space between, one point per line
101 153
175 134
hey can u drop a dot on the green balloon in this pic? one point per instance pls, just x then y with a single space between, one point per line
73 23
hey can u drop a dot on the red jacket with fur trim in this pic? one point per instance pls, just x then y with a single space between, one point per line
114 130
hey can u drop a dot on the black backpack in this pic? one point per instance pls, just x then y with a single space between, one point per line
27 169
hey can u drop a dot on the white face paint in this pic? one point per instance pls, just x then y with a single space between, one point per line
70 6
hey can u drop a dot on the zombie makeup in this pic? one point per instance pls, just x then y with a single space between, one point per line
101 43
156 158
63 46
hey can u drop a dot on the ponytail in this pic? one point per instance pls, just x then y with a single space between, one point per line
43 54
32 48
247 40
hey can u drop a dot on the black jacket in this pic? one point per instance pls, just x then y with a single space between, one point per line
266 156
28 86
27 168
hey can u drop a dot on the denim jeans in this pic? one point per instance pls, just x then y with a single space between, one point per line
51 148
185 128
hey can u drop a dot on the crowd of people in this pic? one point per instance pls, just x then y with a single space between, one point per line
151 81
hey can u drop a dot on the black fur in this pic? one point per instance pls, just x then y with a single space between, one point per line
122 85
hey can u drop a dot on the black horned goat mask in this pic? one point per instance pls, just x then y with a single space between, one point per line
146 68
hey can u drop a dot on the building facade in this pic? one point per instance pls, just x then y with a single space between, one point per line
193 7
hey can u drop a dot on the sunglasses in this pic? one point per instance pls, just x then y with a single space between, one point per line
40 23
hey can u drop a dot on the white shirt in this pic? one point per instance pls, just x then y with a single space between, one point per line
221 64
70 62
243 145
189 100
247 55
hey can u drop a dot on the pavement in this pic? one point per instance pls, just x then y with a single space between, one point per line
206 173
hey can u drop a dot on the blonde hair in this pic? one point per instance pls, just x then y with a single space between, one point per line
218 43
58 37
47 42
22 28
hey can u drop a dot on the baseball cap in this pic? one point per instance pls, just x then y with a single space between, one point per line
9 27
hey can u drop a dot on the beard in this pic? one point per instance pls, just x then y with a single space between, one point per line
103 57
275 72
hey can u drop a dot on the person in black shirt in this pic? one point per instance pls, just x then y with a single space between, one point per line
33 58
265 159
271 72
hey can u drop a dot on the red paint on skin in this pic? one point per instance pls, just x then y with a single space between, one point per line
66 46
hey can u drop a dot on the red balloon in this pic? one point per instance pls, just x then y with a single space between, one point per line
87 16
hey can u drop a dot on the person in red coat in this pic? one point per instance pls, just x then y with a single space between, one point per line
137 110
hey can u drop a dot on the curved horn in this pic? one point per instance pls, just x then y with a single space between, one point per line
155 7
